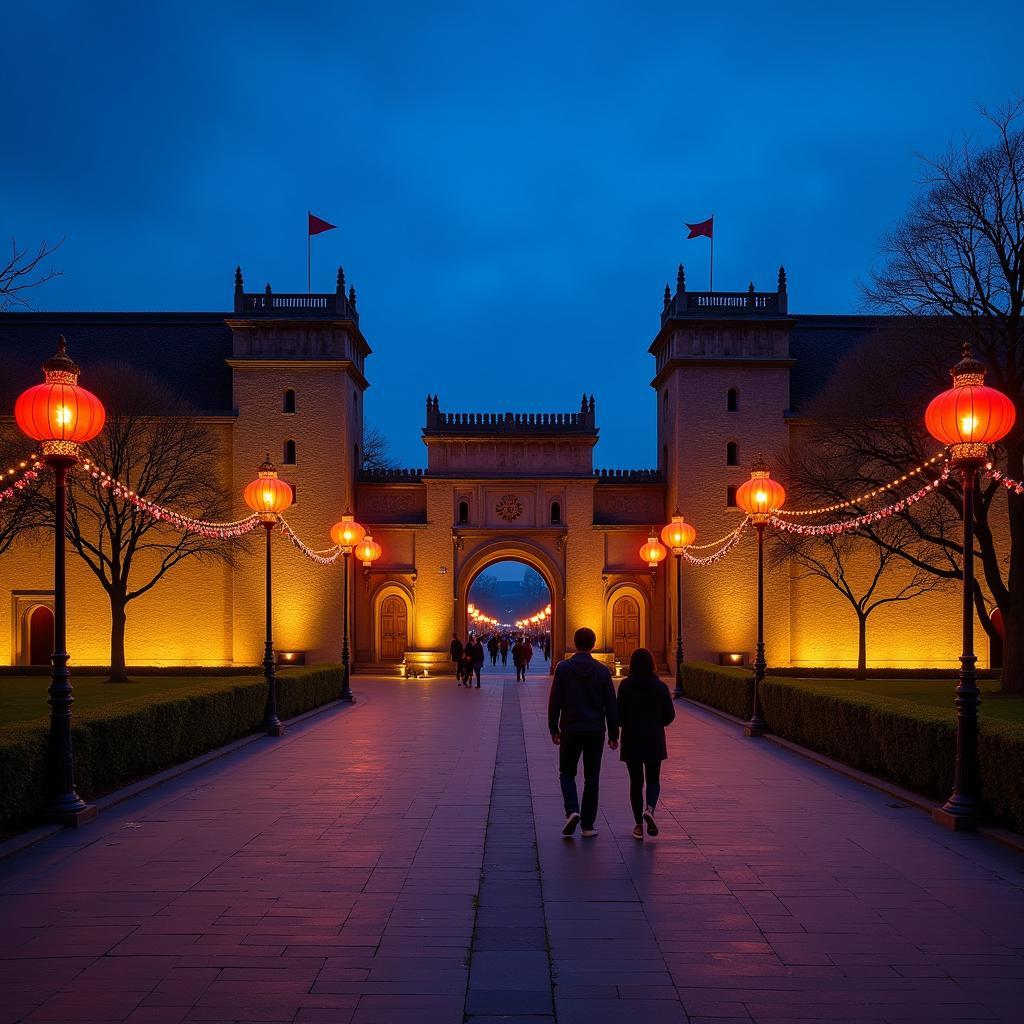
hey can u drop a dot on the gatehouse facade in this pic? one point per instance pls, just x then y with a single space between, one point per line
288 373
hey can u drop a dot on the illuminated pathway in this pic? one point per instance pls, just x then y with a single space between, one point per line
374 867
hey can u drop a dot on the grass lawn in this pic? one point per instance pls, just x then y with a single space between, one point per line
933 693
23 698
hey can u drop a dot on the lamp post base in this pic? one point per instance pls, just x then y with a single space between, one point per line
274 727
72 814
755 728
959 815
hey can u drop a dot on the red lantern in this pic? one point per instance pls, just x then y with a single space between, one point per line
678 534
59 413
267 495
368 551
347 533
760 495
969 416
652 552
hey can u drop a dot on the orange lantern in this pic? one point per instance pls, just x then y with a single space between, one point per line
59 413
347 533
678 534
267 495
969 416
652 551
368 551
760 495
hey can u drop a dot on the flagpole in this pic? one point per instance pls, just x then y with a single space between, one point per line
309 237
711 278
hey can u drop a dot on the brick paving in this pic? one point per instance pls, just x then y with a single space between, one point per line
386 863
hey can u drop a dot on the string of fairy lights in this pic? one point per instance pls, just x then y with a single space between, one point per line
25 472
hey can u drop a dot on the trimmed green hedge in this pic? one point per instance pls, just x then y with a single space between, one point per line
119 743
909 744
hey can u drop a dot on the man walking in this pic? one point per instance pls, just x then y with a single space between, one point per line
581 702
519 659
455 652
475 650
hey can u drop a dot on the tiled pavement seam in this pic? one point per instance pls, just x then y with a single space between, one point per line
510 977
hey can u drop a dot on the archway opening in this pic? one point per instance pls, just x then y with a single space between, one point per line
510 600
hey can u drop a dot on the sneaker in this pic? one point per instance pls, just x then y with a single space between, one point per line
652 827
570 823
638 831
589 833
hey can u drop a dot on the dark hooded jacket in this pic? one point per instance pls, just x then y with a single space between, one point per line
582 697
645 708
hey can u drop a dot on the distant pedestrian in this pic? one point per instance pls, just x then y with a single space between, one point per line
503 648
519 659
645 707
492 649
528 656
475 650
581 703
455 650
547 648
465 667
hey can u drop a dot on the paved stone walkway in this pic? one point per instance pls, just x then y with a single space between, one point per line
385 863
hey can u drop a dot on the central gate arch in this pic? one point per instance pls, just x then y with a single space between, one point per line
527 552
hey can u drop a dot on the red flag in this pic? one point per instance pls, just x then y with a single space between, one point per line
316 225
705 227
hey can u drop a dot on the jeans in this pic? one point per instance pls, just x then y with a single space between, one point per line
591 746
477 665
637 770
520 673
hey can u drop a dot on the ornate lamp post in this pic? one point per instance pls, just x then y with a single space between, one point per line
679 535
368 551
759 497
968 417
653 552
268 497
346 534
62 416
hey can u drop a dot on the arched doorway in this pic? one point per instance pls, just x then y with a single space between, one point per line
530 556
625 627
394 624
39 628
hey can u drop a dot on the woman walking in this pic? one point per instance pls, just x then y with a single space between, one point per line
645 708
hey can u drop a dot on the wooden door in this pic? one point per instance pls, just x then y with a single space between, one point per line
394 629
40 635
625 627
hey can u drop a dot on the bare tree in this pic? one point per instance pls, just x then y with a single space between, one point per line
155 445
952 271
376 450
21 512
23 271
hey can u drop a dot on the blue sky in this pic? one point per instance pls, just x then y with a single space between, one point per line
509 181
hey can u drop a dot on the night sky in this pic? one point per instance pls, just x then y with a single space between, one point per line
510 183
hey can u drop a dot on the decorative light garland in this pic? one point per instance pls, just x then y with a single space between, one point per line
848 525
1008 482
720 540
27 470
204 527
867 495
732 540
326 556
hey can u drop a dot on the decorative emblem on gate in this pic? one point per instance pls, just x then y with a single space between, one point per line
509 507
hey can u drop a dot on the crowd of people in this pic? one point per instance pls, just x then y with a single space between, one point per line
585 712
469 658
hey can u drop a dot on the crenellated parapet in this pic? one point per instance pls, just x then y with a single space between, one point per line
438 422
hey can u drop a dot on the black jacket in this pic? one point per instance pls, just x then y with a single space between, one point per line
582 697
476 651
455 649
645 708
